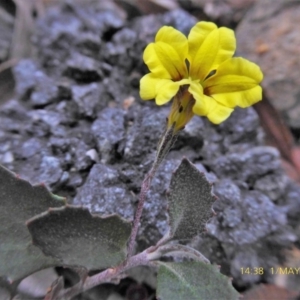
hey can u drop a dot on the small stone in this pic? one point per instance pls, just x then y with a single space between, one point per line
64 89
30 148
7 158
142 137
78 149
108 130
291 199
92 153
115 296
118 51
11 125
68 111
89 98
75 180
104 193
210 177
51 171
13 117
111 19
50 118
246 166
44 92
59 130
120 79
89 43
37 284
64 178
228 192
83 69
241 127
180 19
245 222
25 74
272 185
68 160
192 135
37 128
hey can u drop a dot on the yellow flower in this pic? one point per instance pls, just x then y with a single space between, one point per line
200 73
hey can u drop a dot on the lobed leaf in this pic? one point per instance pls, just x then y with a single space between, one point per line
190 202
19 201
194 281
77 238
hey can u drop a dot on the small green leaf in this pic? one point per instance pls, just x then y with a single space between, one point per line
190 202
78 238
193 281
19 201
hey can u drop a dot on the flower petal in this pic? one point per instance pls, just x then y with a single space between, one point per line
163 90
153 62
219 113
235 83
242 99
197 36
208 106
166 57
209 46
166 90
175 39
148 87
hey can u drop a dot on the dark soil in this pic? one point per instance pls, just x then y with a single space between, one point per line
77 124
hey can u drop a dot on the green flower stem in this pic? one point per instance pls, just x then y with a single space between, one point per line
166 142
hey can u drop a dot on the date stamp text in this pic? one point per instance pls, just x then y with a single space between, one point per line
273 271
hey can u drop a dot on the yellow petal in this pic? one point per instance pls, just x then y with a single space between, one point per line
235 83
208 106
166 57
163 90
171 60
148 87
242 99
166 90
197 36
209 46
219 113
153 63
175 39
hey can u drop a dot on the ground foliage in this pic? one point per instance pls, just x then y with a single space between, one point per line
77 238
19 202
72 237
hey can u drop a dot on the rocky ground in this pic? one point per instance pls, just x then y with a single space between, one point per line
77 124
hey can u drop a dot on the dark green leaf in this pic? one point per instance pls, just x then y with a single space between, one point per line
20 201
79 238
190 202
193 281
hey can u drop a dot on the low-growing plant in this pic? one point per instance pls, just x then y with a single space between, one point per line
38 230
